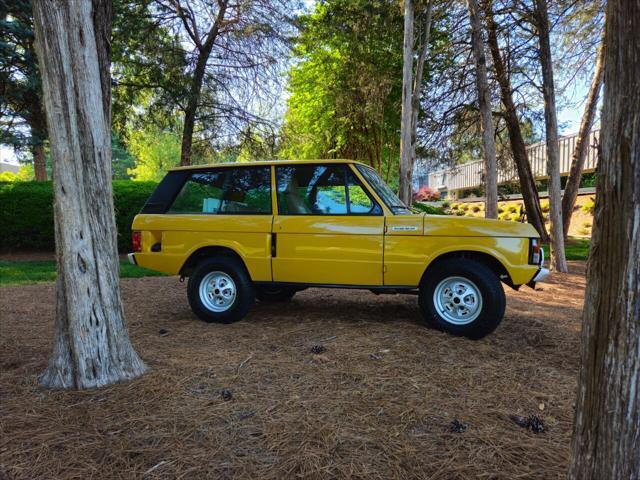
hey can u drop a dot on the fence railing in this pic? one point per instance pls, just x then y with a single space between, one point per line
470 175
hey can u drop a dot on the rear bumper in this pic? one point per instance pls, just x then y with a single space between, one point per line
132 258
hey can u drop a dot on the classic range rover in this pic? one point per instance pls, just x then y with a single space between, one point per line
267 230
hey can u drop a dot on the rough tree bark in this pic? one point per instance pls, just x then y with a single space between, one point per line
556 237
606 435
39 162
38 127
486 120
518 148
203 51
582 145
405 121
91 345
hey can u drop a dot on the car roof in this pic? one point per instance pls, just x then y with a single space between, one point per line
265 162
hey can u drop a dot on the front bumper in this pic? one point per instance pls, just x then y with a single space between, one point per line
541 276
542 273
132 258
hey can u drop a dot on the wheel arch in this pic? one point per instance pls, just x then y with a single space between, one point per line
207 252
490 261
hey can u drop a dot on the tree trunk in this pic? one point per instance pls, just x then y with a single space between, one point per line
518 148
606 434
582 145
417 81
91 345
192 107
203 53
558 260
38 127
484 104
39 162
406 172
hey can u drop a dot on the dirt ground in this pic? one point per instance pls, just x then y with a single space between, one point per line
377 404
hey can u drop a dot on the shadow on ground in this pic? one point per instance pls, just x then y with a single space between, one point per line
378 403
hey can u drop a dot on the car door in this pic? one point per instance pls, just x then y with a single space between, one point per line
328 228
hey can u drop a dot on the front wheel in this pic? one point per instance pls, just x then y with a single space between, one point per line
462 297
220 290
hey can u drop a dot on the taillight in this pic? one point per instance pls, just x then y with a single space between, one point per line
136 241
535 251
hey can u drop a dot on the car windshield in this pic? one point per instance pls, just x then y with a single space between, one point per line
383 190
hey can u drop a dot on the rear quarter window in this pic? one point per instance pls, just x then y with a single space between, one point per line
240 191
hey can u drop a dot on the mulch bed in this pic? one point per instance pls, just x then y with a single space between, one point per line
382 396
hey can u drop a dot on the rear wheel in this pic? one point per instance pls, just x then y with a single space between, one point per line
274 293
220 290
462 297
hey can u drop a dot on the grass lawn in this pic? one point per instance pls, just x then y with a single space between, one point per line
575 248
18 273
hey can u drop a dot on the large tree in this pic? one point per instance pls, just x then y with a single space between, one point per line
406 162
91 345
582 144
541 15
486 113
606 436
518 148
23 119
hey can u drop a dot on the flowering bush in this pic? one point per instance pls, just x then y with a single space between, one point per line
426 194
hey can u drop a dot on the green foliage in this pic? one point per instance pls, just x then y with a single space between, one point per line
431 210
20 273
156 151
346 87
589 206
27 213
25 173
121 159
148 69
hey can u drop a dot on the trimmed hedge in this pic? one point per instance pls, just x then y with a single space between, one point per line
26 213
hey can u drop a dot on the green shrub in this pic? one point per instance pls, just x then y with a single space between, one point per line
464 207
446 205
513 208
455 206
431 210
589 206
26 215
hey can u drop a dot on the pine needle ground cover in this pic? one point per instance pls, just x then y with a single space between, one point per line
334 384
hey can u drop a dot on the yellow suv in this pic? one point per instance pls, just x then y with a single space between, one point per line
267 230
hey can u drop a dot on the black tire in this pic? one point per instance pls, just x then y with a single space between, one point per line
269 293
482 278
244 291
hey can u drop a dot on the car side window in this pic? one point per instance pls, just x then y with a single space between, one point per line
240 191
322 190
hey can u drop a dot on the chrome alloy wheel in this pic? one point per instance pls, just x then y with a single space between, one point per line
217 291
458 300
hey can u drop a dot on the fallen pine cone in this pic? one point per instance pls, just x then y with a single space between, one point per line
533 422
318 349
457 427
